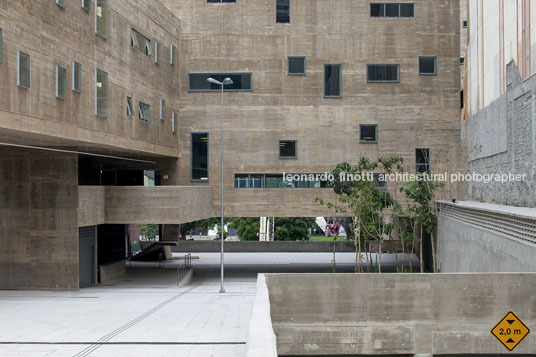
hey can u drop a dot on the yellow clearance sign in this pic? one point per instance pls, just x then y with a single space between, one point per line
510 331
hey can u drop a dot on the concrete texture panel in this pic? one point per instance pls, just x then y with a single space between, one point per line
398 313
267 247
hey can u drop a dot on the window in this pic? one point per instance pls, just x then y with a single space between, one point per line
77 77
383 73
296 66
130 108
427 65
140 42
86 5
220 1
172 55
392 10
380 180
199 158
282 11
1 45
197 82
23 69
61 82
332 80
462 60
422 158
101 18
162 109
368 133
287 149
101 93
464 24
156 53
462 104
144 112
61 3
303 180
173 124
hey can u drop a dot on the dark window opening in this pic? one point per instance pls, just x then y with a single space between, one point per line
296 65
197 82
368 133
199 158
392 10
462 60
422 159
282 11
383 72
427 65
381 183
462 104
220 1
464 24
287 149
332 80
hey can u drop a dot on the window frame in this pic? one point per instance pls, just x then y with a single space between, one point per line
162 109
172 55
106 20
130 107
384 8
289 13
144 110
19 83
427 164
208 74
304 73
156 52
192 156
221 2
295 150
87 8
361 141
173 123
462 60
102 115
74 75
61 3
435 66
383 81
340 80
64 82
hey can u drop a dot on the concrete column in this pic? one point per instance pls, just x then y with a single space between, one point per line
38 219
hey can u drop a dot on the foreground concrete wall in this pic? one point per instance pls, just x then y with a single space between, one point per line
349 314
139 204
265 247
475 237
38 220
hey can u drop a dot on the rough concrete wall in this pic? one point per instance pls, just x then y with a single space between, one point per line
38 220
501 138
91 201
418 112
54 36
349 314
265 247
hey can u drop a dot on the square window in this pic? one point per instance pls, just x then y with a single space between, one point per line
381 183
287 149
23 69
368 133
427 65
241 180
77 77
61 3
392 10
407 10
332 80
377 10
86 5
101 93
296 66
61 82
130 108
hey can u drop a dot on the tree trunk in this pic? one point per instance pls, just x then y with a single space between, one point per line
421 257
380 253
433 251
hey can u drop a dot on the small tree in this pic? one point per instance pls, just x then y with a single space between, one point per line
247 228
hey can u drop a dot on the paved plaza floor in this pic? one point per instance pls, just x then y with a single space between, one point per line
146 314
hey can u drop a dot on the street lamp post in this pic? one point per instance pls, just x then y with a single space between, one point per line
225 82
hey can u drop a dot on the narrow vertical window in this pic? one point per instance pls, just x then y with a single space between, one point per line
61 3
1 45
287 149
61 82
130 108
199 157
101 18
332 80
173 124
101 93
86 5
282 11
156 53
427 65
23 69
172 55
422 159
162 109
77 77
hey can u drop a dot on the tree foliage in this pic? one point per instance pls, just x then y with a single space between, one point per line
247 228
293 228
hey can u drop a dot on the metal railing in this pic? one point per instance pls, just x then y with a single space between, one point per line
184 268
